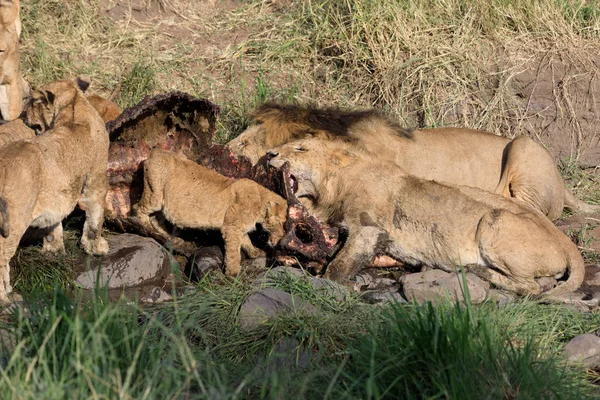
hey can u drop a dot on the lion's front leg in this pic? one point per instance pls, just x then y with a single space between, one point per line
249 248
54 241
233 238
94 195
15 102
361 247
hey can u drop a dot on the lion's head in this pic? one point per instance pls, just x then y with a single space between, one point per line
275 217
8 42
47 103
10 15
312 161
276 125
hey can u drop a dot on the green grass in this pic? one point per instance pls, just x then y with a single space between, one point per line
136 85
36 273
193 348
455 353
583 182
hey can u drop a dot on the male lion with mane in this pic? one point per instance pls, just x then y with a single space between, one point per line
192 196
518 168
419 222
41 179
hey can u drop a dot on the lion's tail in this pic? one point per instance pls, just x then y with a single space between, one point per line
573 203
5 223
576 268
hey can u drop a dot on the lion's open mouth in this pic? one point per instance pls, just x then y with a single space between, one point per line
293 184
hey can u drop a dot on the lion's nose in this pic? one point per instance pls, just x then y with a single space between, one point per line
271 154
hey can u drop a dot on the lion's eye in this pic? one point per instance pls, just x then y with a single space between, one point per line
301 149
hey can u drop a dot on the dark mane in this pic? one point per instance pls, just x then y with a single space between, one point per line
334 121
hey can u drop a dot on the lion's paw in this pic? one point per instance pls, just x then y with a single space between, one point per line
54 247
100 246
97 246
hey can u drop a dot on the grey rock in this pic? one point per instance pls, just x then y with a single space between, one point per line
132 261
594 280
362 281
258 263
203 261
268 302
382 283
320 285
575 301
501 297
438 286
289 354
156 295
330 288
383 296
273 273
584 349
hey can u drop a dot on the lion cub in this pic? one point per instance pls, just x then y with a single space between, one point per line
192 196
12 85
13 131
41 179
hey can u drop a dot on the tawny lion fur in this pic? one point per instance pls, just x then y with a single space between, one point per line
192 196
420 222
107 109
41 179
10 15
13 131
12 85
517 168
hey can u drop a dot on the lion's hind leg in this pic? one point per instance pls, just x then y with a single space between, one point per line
522 287
530 175
8 247
54 240
508 245
94 195
152 201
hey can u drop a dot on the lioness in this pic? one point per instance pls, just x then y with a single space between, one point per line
42 178
11 82
423 222
519 168
10 15
192 196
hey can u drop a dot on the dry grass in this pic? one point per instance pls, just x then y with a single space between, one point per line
429 63
446 62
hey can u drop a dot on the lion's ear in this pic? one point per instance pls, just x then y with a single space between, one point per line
43 97
342 157
83 82
50 96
